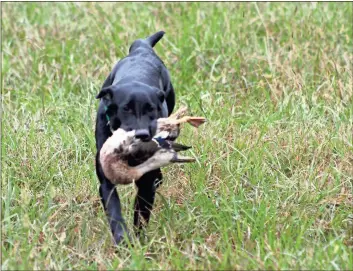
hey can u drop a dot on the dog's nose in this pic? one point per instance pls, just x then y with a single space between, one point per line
143 134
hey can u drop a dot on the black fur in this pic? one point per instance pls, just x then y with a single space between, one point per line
136 93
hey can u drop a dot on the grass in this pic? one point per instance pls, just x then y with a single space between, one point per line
272 186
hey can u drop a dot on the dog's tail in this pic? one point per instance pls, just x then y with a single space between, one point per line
153 39
148 42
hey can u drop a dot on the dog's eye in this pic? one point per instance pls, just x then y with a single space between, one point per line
126 108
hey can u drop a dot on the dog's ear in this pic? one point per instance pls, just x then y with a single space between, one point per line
106 93
160 95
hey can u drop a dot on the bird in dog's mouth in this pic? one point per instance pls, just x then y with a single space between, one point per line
156 153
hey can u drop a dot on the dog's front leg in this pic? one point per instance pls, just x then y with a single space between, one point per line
112 206
146 185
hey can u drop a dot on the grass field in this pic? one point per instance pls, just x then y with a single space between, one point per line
272 186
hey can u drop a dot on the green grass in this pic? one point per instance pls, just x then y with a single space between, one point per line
272 186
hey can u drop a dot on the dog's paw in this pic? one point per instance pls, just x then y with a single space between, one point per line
122 238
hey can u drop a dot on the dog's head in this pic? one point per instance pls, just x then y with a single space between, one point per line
133 107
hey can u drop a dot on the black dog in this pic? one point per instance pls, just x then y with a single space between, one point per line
136 93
